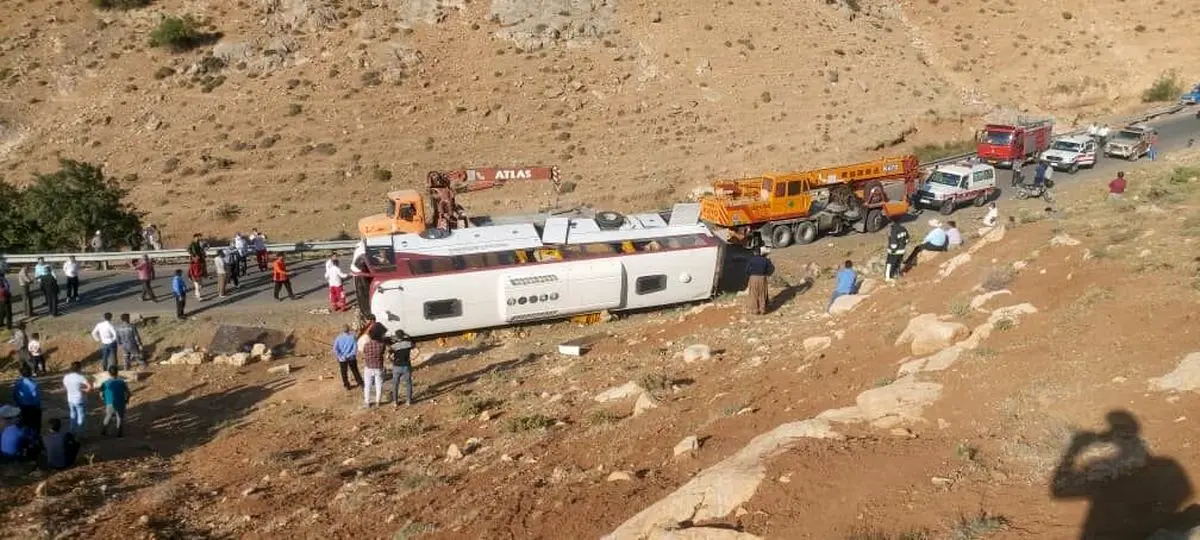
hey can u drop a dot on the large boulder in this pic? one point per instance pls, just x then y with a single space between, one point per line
980 300
817 344
942 360
644 403
236 359
697 353
905 399
618 393
1184 378
189 357
928 334
701 533
846 303
953 264
868 286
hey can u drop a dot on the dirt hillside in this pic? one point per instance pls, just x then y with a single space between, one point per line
297 115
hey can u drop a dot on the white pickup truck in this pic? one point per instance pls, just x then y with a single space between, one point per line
949 186
1131 143
1071 153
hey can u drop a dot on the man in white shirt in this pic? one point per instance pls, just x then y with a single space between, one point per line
221 264
334 276
992 217
242 247
258 241
77 387
71 270
954 239
106 334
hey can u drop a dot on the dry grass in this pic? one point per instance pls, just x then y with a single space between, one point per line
998 278
531 422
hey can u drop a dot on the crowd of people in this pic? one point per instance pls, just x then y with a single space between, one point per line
373 344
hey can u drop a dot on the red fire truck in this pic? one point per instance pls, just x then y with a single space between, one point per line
1003 145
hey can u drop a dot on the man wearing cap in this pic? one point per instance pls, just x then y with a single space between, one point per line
758 268
17 441
897 245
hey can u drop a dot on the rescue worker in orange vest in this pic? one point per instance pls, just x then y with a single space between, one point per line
281 277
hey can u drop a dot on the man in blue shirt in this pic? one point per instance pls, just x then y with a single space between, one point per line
345 350
935 240
179 289
116 397
758 269
847 282
28 396
17 443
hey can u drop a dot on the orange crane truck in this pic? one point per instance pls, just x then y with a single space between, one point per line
406 211
776 210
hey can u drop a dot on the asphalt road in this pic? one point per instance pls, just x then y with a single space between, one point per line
119 292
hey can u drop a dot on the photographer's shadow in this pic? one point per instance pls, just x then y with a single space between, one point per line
1132 494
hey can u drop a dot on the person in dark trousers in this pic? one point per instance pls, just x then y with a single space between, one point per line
61 446
281 277
196 251
1018 177
48 282
897 246
179 289
18 442
847 283
116 396
6 311
145 273
130 341
345 350
28 397
402 348
20 343
935 240
758 268
25 280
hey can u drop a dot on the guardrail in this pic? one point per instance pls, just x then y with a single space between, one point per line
338 245
170 254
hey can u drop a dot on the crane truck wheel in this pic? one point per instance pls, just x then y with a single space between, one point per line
806 232
781 236
609 220
947 207
875 221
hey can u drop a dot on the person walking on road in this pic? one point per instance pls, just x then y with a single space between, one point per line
223 269
242 248
25 280
345 350
758 269
77 387
197 273
116 396
97 245
1116 188
71 271
372 353
281 277
402 350
48 282
897 246
37 355
6 311
27 394
179 290
1153 151
196 252
259 241
334 276
130 341
145 275
105 334
847 283
231 271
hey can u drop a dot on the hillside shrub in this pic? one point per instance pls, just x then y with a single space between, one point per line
120 4
1166 88
60 211
177 33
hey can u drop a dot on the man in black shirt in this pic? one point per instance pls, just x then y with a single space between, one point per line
402 348
897 246
758 267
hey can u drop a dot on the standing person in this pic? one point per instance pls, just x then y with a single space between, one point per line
260 249
280 276
105 334
153 238
1153 146
220 264
334 276
77 387
6 311
196 251
242 247
847 282
37 355
71 270
402 349
954 239
197 273
130 341
1018 176
935 240
1116 188
97 245
362 282
61 446
345 350
28 396
48 282
758 268
25 280
179 290
897 245
231 270
145 274
20 343
372 353
116 396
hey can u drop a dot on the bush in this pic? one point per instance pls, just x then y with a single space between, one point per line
1166 88
120 4
177 33
61 211
228 212
528 423
998 278
930 152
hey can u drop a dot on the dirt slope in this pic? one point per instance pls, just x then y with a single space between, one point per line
309 110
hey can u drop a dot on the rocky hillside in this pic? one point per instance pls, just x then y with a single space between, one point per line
297 115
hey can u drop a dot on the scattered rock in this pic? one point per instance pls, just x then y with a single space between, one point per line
940 361
1019 265
236 360
817 344
485 416
1012 313
143 520
953 264
903 433
697 353
1063 240
282 369
188 356
868 286
982 299
929 334
40 490
941 481
620 476
453 453
250 491
846 303
472 444
905 399
617 393
1184 378
644 403
689 444
260 352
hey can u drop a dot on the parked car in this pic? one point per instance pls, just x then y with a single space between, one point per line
949 186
